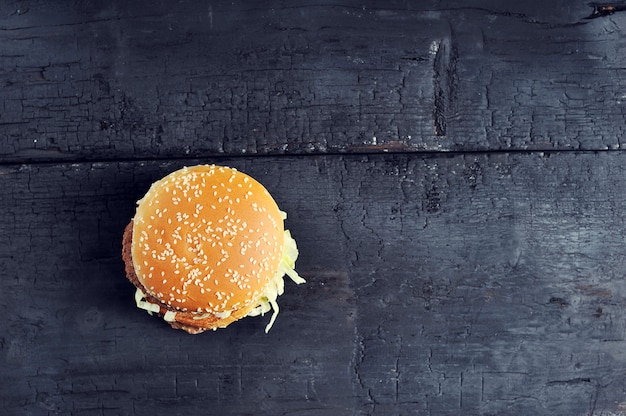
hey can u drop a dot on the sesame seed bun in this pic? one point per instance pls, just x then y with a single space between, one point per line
204 247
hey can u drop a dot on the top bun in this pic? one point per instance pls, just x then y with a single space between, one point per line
208 240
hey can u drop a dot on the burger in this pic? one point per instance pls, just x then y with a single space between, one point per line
207 247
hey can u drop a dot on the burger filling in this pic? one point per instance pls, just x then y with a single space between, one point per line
267 301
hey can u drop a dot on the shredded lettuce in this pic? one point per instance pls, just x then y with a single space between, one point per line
267 302
170 316
142 303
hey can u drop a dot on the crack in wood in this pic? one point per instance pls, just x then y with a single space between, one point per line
605 9
444 83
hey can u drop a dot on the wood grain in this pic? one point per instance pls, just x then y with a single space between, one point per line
116 80
466 284
453 172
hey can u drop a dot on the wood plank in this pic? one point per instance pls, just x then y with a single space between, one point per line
142 80
75 343
450 284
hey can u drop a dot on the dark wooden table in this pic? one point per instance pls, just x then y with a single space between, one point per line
454 173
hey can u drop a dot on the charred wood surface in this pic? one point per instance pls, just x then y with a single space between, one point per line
453 173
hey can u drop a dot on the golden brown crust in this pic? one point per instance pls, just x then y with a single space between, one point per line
240 240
